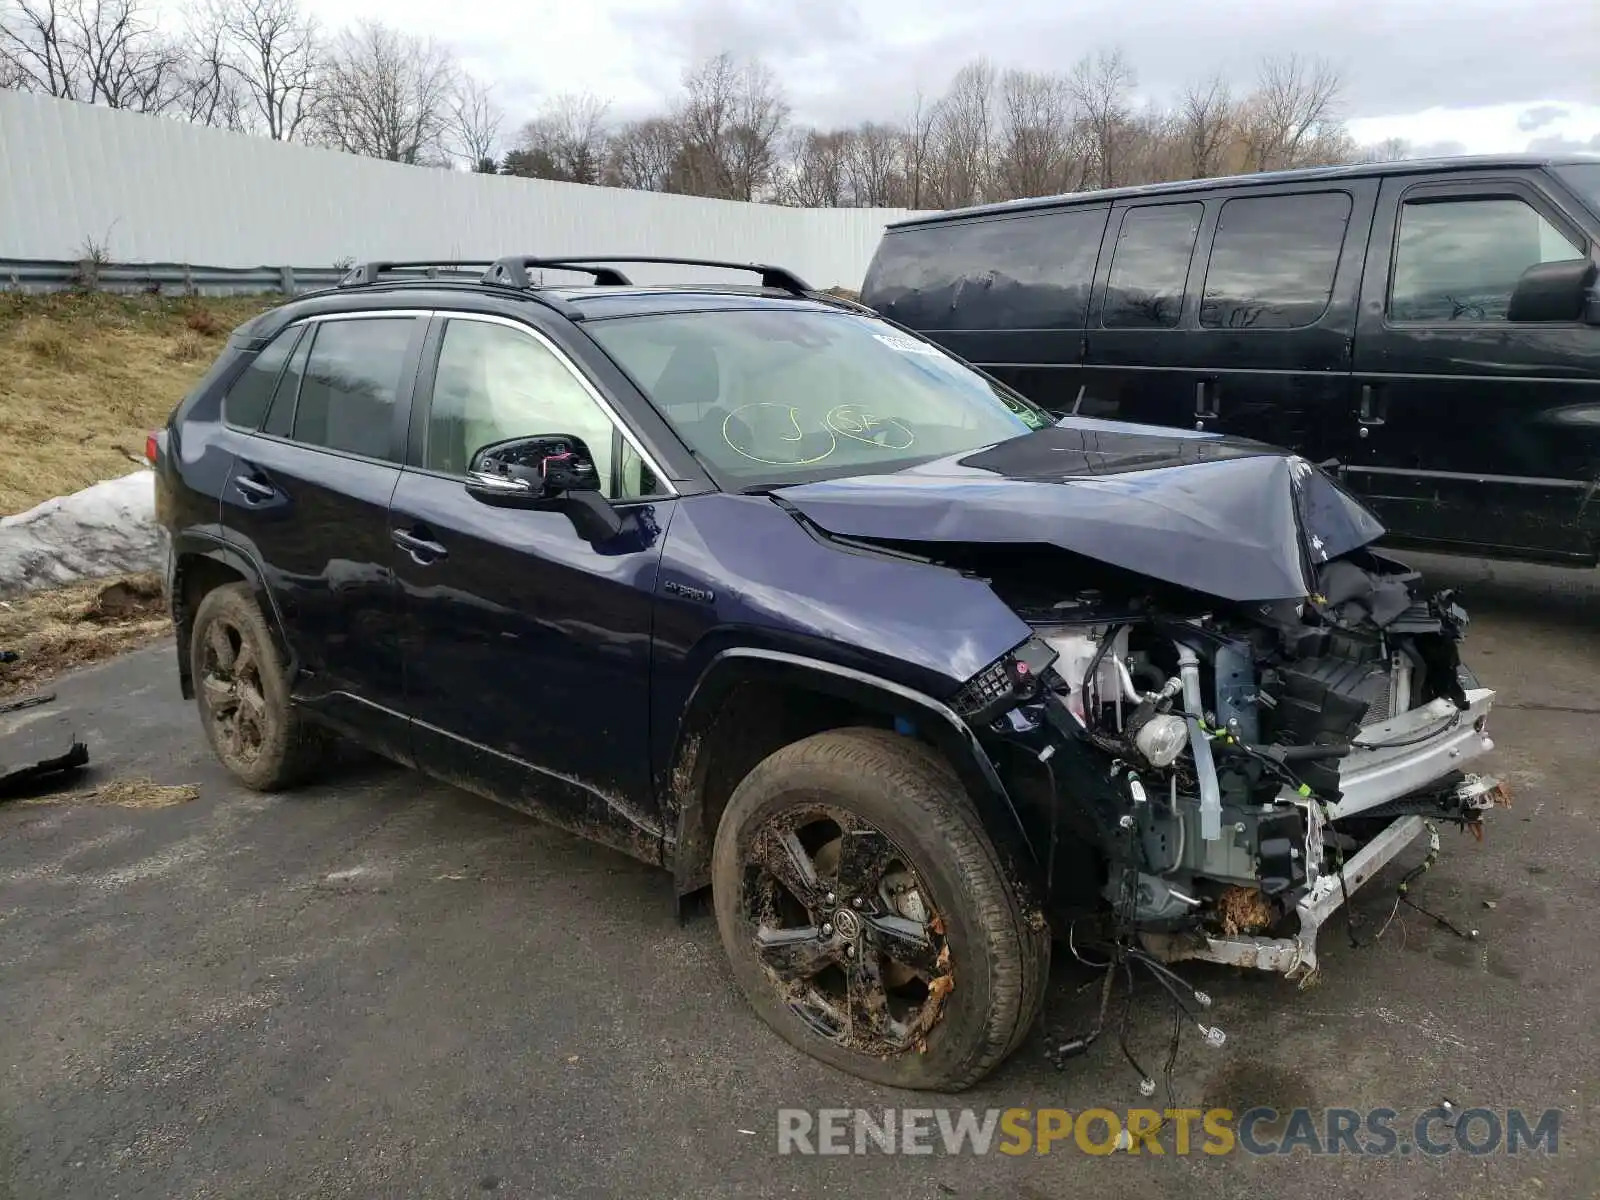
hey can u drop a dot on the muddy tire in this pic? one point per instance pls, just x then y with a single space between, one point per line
866 916
243 695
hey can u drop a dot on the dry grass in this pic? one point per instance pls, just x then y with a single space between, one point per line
84 377
142 792
54 631
190 347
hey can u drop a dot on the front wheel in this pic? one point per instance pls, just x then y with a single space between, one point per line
866 915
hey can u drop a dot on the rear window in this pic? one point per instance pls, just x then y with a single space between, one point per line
246 402
1023 272
1150 266
1273 260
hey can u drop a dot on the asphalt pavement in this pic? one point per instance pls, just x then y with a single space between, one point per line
382 986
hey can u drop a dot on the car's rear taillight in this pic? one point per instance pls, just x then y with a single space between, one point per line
152 447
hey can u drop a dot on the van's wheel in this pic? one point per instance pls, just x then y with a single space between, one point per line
243 695
867 917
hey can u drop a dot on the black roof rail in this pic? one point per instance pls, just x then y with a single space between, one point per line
513 272
371 272
777 278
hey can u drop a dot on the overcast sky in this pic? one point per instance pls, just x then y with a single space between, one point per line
1456 75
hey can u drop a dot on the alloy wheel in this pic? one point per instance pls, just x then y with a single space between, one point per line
845 929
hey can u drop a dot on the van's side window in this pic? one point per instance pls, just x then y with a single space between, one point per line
1150 266
1273 260
1460 259
1029 272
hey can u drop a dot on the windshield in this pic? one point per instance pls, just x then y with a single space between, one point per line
1583 178
779 396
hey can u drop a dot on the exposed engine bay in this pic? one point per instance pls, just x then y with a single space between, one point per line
1266 758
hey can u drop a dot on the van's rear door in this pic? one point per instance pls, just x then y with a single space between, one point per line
1475 432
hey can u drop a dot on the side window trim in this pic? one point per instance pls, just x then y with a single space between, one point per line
404 389
416 441
302 353
1498 187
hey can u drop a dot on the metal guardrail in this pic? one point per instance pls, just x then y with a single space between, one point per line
170 279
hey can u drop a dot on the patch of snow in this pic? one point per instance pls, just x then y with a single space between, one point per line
107 529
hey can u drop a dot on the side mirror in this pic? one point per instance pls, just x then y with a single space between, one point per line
553 471
1553 291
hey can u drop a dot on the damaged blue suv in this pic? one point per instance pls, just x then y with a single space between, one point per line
752 584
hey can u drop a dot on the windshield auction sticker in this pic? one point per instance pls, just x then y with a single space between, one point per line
907 345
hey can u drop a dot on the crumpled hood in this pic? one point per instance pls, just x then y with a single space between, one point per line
1231 518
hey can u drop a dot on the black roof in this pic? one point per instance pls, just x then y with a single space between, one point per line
1308 174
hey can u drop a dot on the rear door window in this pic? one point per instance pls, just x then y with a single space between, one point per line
1024 272
1150 266
1273 260
1459 259
351 384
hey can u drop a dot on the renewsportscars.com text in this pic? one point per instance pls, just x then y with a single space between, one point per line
1179 1131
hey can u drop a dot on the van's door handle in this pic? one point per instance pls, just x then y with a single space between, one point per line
422 550
1371 406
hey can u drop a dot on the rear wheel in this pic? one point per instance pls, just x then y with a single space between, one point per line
866 915
243 695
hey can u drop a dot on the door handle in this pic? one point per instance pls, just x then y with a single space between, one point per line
1371 406
253 490
422 550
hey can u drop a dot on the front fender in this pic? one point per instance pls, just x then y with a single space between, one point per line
913 713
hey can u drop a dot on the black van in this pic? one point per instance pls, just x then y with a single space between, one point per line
1429 329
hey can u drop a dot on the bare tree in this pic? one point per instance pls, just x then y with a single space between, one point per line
1102 86
1206 122
917 149
960 166
732 117
387 95
819 174
1037 148
1393 149
875 166
99 51
566 141
276 55
475 119
1294 105
210 92
645 155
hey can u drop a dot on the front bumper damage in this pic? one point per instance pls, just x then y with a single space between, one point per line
1372 781
1399 764
1295 956
1399 778
1390 780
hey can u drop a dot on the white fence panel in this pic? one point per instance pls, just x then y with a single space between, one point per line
151 189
